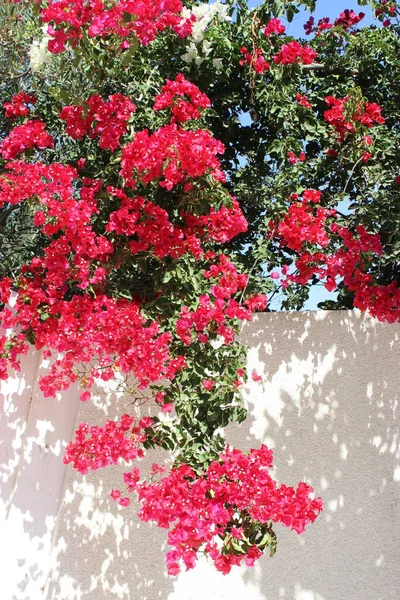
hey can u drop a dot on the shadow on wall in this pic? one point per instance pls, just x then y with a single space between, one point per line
33 431
61 536
101 550
327 406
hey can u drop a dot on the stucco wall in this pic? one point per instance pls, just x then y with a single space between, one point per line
327 405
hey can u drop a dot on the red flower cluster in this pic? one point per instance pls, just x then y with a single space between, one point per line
125 17
221 225
212 315
295 53
18 107
153 231
343 117
53 309
274 26
322 25
112 331
305 230
255 60
171 155
293 159
386 11
234 501
181 110
348 18
304 224
97 447
11 350
148 224
107 120
303 101
25 137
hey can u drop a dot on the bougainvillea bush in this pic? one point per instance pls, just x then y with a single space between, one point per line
167 170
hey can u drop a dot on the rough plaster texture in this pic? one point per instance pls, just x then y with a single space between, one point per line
327 405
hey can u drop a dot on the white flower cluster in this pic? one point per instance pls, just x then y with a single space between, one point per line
38 53
204 14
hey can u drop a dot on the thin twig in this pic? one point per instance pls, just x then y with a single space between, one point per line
17 76
351 174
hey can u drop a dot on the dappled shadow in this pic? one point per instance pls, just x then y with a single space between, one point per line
15 400
327 407
63 537
34 432
102 550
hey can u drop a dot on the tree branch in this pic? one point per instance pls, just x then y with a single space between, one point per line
327 68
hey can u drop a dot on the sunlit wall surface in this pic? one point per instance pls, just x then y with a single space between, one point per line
327 405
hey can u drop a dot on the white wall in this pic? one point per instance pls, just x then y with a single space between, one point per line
328 405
